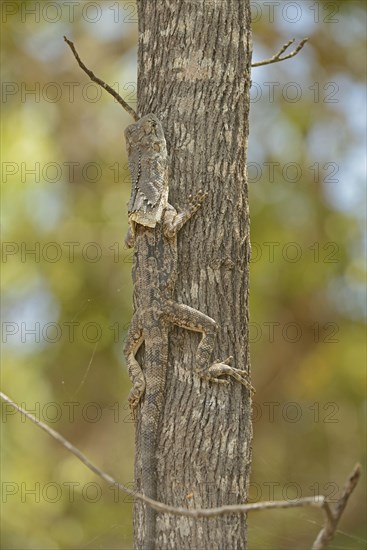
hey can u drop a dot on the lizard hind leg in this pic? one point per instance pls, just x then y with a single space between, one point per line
192 319
133 342
221 368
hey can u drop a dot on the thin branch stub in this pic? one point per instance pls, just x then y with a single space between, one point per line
100 82
277 57
327 533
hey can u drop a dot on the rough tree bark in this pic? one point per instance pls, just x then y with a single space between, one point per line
194 74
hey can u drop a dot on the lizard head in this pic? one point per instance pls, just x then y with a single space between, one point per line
147 155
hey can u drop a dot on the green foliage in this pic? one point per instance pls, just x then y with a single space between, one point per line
308 347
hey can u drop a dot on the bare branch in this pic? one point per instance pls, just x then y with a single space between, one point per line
327 533
277 57
95 78
315 501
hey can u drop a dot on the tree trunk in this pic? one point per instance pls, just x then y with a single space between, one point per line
194 74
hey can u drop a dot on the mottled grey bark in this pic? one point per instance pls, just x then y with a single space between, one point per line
194 74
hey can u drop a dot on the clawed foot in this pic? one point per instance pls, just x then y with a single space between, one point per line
135 395
223 368
195 201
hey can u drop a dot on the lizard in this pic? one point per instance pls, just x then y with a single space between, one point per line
153 228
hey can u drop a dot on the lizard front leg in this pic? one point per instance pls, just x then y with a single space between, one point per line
133 342
130 238
174 221
192 319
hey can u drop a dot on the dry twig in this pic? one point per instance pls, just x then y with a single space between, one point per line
327 533
277 57
95 78
324 537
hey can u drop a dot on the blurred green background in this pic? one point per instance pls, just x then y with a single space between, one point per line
66 289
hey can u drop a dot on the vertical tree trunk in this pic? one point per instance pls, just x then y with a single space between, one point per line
194 74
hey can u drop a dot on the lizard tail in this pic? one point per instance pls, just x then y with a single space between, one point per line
155 358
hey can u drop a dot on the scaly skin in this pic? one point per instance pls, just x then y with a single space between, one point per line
153 234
